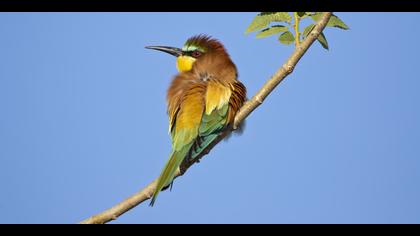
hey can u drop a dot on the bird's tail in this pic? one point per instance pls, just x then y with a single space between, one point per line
168 172
177 157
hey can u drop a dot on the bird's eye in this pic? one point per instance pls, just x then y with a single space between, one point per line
196 53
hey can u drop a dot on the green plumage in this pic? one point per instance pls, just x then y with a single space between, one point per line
210 127
167 175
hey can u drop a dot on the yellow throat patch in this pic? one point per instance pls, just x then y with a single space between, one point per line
184 63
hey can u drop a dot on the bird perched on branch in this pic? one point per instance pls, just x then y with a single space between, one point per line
202 100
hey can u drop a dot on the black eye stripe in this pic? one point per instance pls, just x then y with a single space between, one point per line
191 53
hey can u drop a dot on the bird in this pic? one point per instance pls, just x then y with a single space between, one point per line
202 101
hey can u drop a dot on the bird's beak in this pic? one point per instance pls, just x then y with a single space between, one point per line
171 50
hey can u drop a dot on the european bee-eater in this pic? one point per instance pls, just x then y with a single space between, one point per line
202 100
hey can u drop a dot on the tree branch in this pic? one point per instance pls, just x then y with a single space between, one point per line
146 193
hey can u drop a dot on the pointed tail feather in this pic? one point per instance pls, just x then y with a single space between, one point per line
177 157
168 172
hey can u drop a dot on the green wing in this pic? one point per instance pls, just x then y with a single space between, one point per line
210 128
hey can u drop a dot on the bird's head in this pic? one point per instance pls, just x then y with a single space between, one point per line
194 48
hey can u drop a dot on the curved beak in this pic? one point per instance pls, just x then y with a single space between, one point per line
171 50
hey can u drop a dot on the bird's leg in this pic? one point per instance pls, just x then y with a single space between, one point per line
198 143
166 187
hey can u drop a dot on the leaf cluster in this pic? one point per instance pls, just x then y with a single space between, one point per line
280 23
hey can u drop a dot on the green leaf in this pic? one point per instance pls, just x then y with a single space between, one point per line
257 23
333 22
307 30
277 16
270 31
337 22
287 38
323 41
263 19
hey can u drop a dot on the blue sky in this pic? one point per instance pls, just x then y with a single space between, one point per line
83 122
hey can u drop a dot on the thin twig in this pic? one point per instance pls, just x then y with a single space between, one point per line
146 193
296 26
